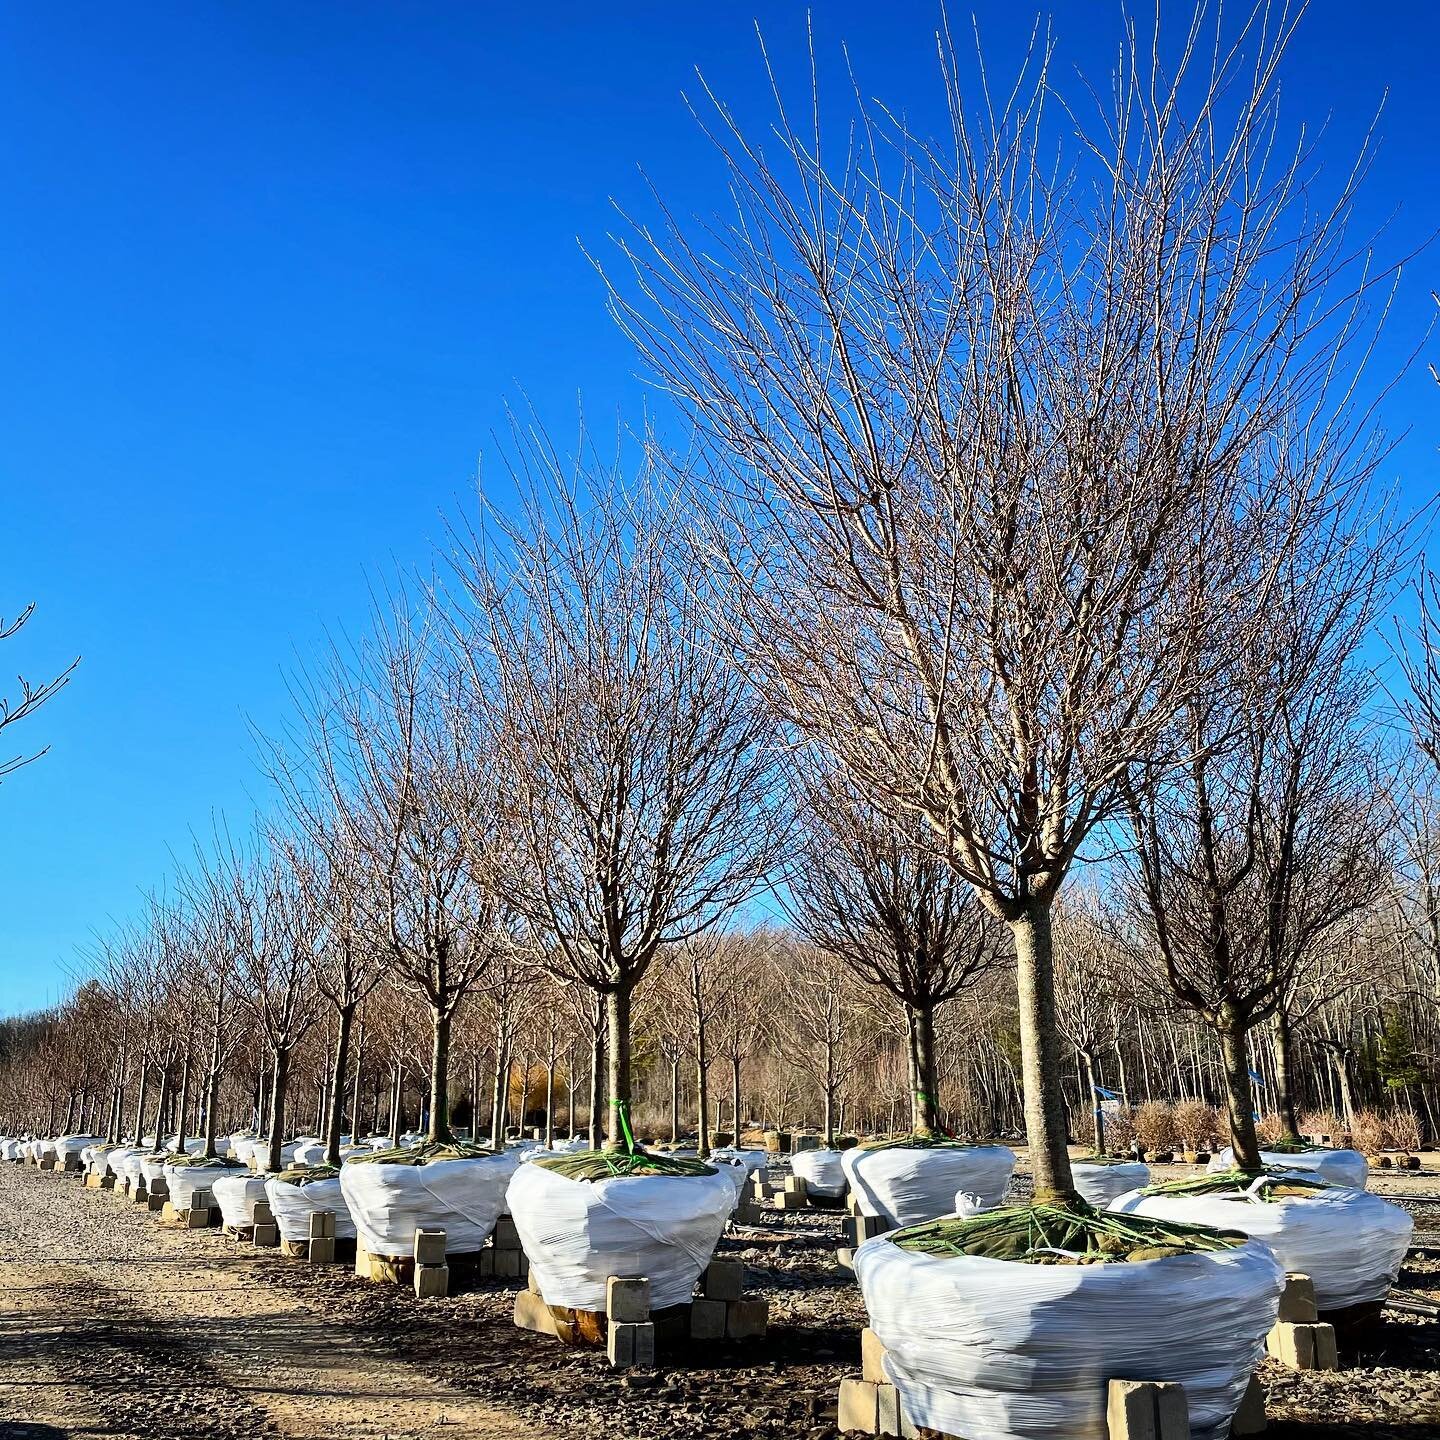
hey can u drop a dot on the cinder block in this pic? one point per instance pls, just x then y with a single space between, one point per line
267 1236
1146 1410
432 1282
872 1357
707 1319
747 1318
532 1313
1303 1347
630 1346
857 1229
261 1214
859 1407
795 1185
1250 1417
1297 1300
723 1280
321 1250
890 1419
506 1264
322 1224
429 1247
791 1200
627 1300
156 1200
506 1236
805 1142
197 1217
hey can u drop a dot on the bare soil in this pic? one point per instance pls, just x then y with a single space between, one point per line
112 1325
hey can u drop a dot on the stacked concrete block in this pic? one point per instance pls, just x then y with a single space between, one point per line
266 1233
1146 1410
855 1230
158 1195
871 1405
630 1333
321 1249
197 1217
794 1196
1298 1339
504 1257
432 1274
722 1310
1250 1417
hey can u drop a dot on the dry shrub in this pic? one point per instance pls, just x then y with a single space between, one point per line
1119 1130
1369 1134
1269 1128
1404 1130
1196 1123
1322 1122
1155 1126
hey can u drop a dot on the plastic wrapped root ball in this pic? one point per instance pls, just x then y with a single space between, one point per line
912 1180
184 1180
236 1193
1011 1350
459 1189
823 1172
295 1195
660 1217
1349 1242
1335 1167
1100 1181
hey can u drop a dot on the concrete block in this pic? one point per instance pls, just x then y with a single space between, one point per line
429 1247
747 1318
890 1419
872 1357
156 1200
630 1346
362 1261
432 1282
532 1284
267 1236
859 1407
845 1259
532 1313
197 1217
321 1250
723 1280
790 1200
1303 1347
295 1249
857 1229
795 1185
627 1300
1297 1300
1146 1410
322 1225
805 1142
72 1162
505 1264
1250 1417
506 1236
169 1215
707 1319
261 1214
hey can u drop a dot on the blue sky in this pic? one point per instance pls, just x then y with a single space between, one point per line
268 274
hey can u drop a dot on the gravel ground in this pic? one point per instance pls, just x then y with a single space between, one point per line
114 1320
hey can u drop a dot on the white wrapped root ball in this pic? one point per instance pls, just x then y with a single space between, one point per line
293 1203
117 1161
463 1196
236 1193
184 1180
578 1233
1099 1182
908 1184
1349 1242
1335 1167
823 1172
68 1146
1016 1351
152 1166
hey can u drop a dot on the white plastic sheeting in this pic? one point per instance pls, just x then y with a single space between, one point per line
185 1180
312 1152
152 1167
1100 1184
1010 1351
754 1161
9 1149
823 1172
1335 1167
464 1198
1349 1242
235 1193
115 1159
293 1206
128 1166
578 1233
68 1145
909 1185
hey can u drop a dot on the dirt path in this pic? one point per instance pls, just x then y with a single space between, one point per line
111 1325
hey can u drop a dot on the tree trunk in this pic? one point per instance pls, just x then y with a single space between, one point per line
702 1091
1097 1112
1239 1096
498 1089
355 1088
1284 1095
161 1102
281 1078
570 1091
550 1060
397 1096
921 1034
212 1091
617 1026
338 1066
735 1097
597 1059
674 1099
439 1129
1040 1059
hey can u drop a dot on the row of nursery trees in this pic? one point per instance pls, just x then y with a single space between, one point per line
752 1030
1009 616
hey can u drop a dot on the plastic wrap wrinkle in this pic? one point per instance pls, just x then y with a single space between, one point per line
235 1193
1100 1184
907 1186
1009 1351
293 1205
462 1197
822 1170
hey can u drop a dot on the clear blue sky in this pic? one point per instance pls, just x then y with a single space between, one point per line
267 275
